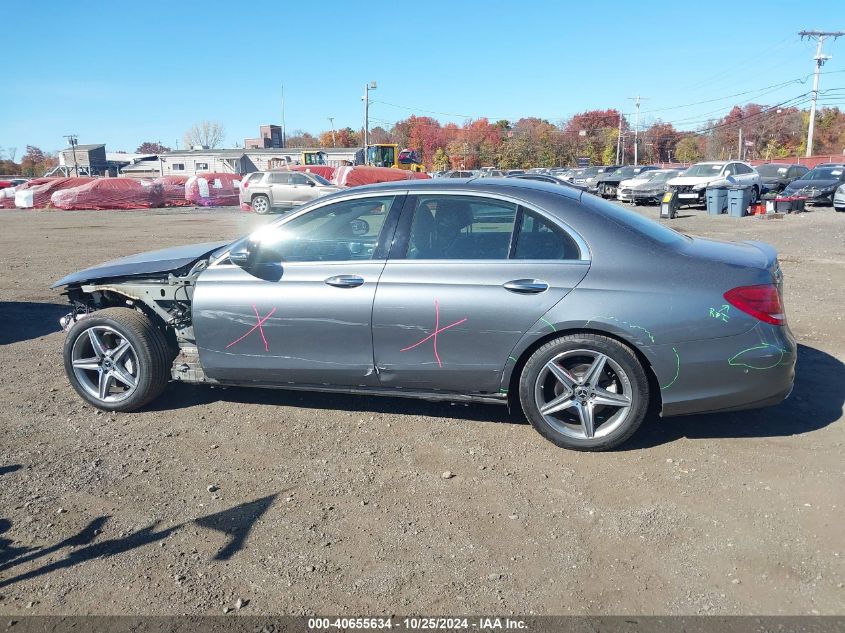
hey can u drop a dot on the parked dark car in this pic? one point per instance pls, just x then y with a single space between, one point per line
548 178
819 184
607 183
589 176
500 290
776 176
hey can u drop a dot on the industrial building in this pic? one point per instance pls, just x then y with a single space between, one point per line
188 162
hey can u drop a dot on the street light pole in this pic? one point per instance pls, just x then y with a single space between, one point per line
334 140
367 87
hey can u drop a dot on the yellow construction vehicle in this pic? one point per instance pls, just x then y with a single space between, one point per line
313 157
388 155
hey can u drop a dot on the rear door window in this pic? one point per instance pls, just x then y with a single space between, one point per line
461 227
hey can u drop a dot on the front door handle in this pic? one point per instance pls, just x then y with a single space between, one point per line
345 281
526 286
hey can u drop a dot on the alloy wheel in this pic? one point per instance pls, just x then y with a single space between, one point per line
260 205
583 394
105 364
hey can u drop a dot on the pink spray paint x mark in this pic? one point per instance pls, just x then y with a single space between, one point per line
433 335
259 325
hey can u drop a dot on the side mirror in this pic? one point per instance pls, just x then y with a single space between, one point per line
311 183
241 254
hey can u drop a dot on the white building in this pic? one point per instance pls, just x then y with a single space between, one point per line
188 162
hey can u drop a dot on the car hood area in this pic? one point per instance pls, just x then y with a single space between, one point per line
151 262
697 180
809 185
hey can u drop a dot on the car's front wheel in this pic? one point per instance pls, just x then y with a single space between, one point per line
117 360
755 194
584 392
261 204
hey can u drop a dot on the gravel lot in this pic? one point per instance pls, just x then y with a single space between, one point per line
299 503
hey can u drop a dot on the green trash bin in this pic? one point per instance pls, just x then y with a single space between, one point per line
717 200
738 200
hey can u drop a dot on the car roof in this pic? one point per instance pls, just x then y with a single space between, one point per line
493 185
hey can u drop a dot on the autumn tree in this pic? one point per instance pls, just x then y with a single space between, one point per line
208 134
688 150
151 147
35 162
440 161
299 138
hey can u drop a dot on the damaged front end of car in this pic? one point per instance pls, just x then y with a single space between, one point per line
147 286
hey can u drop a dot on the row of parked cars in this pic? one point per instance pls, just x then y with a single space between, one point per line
824 184
642 184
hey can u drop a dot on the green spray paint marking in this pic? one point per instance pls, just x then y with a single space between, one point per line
721 313
504 391
511 358
677 370
736 362
554 329
639 327
625 323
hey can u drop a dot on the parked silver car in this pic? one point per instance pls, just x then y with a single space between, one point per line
499 290
265 191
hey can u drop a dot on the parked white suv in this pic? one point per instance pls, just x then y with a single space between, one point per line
264 191
692 184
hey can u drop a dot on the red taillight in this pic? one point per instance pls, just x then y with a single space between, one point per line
245 184
762 302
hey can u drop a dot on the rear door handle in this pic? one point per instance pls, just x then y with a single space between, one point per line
345 281
526 286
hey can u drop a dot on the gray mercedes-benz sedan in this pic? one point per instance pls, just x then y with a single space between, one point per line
497 290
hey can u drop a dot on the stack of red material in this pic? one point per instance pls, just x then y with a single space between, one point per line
213 190
321 170
360 175
36 194
172 190
109 193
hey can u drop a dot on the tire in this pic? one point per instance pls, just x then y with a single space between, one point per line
261 204
103 377
755 194
620 378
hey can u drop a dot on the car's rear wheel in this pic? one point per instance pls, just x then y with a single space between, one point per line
117 360
261 204
584 391
755 194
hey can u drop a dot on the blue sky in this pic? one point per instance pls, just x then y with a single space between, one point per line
122 73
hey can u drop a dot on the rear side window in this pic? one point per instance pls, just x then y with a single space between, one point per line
279 178
538 238
461 227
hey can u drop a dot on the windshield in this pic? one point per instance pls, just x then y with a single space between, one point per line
705 169
590 171
825 173
628 172
659 176
320 179
381 155
772 170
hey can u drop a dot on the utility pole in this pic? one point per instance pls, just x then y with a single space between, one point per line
367 87
334 140
72 141
820 60
636 101
739 153
284 131
619 140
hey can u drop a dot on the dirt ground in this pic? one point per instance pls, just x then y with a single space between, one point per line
299 503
